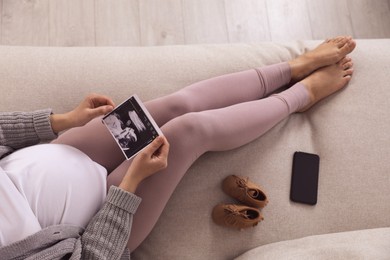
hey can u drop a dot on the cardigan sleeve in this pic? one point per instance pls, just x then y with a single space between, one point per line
21 129
107 234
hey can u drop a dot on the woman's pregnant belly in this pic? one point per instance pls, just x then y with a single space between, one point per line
61 184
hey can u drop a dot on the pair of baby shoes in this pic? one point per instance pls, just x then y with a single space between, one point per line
240 216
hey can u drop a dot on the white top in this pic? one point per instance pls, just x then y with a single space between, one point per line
46 185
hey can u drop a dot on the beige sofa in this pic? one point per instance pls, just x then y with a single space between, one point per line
350 132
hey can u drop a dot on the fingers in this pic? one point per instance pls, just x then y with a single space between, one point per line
102 110
157 153
159 145
154 146
165 147
100 100
98 105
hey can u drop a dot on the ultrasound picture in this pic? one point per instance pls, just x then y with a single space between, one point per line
131 126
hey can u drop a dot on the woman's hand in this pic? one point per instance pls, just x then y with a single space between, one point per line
92 106
149 161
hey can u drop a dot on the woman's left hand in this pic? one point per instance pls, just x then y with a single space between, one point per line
150 160
92 106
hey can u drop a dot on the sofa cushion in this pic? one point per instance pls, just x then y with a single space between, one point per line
361 244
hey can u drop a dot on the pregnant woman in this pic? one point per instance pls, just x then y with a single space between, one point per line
54 201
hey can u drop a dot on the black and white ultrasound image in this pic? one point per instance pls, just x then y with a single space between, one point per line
130 127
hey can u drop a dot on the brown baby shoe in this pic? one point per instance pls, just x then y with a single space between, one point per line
244 191
236 216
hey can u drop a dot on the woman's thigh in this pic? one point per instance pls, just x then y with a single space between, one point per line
94 140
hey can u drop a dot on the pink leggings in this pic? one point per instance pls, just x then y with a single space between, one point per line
217 114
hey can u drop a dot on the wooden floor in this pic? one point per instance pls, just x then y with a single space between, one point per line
167 22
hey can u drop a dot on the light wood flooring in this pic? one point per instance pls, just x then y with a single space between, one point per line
167 22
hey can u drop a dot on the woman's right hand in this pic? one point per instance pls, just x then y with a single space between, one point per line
149 161
92 106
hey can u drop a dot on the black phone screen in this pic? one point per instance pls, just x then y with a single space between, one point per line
304 179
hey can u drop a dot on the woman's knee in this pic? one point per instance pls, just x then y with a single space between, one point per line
189 128
180 103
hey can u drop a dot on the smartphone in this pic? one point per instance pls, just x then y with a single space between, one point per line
304 179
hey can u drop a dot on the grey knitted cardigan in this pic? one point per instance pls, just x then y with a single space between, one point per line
107 233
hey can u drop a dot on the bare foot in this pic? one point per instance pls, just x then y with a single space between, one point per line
327 81
327 53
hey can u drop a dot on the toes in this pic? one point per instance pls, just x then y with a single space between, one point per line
345 63
352 45
335 39
339 39
348 46
348 73
344 60
342 42
347 78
